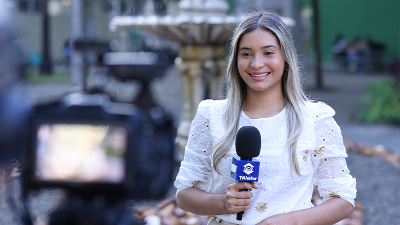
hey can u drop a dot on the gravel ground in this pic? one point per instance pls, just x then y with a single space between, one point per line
378 186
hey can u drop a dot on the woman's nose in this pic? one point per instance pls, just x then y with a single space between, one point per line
257 62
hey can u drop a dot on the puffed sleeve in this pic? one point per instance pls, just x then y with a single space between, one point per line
196 169
332 175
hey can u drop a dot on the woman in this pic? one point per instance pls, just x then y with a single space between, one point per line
301 144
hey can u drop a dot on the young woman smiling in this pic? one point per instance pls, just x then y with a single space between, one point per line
301 144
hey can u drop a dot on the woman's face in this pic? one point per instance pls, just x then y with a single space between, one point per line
260 62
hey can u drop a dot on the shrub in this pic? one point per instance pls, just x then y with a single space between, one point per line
381 103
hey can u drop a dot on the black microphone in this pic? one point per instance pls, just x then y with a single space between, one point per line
248 145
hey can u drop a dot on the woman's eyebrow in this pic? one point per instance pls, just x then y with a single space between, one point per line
244 48
269 46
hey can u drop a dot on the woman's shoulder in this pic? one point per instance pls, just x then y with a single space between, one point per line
211 104
212 111
319 109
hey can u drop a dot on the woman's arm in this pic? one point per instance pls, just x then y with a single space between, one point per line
327 213
203 203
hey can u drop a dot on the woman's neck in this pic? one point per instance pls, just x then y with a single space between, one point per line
261 105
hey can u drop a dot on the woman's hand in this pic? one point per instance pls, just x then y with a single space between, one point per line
236 200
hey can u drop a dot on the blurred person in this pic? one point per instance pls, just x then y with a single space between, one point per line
364 50
301 144
352 53
339 50
359 53
67 52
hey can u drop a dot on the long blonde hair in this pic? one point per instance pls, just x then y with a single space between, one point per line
237 88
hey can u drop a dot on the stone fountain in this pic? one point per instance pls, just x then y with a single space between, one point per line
202 28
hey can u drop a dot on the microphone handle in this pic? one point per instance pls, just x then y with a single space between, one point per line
240 214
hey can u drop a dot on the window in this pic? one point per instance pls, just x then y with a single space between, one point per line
23 6
30 6
37 6
108 7
119 7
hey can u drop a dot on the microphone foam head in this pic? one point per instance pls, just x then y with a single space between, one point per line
248 142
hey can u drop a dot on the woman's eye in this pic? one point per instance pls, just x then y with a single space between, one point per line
245 54
268 53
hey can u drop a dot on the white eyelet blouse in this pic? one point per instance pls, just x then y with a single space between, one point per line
320 154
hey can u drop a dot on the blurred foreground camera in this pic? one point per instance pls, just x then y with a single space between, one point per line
103 152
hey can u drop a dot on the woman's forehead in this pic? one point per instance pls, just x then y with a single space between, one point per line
258 38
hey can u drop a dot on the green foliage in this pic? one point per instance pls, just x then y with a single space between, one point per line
47 78
381 103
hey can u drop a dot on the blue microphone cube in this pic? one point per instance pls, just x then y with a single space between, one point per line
244 170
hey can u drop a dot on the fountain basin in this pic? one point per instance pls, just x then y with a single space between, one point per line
194 29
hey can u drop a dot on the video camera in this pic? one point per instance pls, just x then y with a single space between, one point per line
102 152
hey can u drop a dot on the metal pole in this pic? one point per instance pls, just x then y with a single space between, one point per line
317 44
45 66
77 57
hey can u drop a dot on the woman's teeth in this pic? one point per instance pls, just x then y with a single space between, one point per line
259 75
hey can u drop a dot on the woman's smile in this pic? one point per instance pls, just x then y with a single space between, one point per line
259 76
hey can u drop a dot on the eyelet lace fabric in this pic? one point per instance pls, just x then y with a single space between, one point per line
320 154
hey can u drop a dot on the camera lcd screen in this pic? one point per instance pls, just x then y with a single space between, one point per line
82 153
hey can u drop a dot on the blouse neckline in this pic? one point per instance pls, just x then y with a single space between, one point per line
282 112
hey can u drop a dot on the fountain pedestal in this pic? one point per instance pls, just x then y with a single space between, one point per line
196 63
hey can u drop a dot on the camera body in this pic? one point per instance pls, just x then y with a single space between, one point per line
141 163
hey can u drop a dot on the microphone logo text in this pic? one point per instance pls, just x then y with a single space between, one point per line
247 178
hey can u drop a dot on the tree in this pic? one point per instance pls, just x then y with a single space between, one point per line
317 44
45 66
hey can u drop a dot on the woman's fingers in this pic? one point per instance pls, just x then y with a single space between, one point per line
239 200
238 205
239 208
241 185
254 185
239 195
